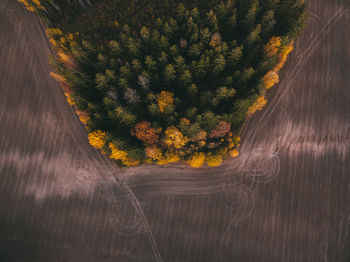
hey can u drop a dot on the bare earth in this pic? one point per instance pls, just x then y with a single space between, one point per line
286 198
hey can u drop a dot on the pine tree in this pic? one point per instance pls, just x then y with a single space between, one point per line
254 36
219 64
169 73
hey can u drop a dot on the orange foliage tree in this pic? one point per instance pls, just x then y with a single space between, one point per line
272 47
234 153
145 133
97 139
165 98
83 117
57 77
258 105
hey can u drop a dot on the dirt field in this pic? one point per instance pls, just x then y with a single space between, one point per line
284 199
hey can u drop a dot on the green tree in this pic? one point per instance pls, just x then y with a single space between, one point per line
169 73
219 64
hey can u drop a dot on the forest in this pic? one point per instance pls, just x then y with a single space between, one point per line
162 81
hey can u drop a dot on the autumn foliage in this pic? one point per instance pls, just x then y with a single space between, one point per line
116 153
197 160
174 138
31 5
272 47
168 81
258 105
145 133
220 130
153 152
270 79
165 98
97 139
214 160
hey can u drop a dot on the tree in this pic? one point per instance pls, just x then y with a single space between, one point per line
168 158
186 77
234 153
116 153
97 139
208 120
213 160
283 55
220 130
251 14
235 55
127 118
174 138
247 74
219 64
150 63
192 90
270 79
272 47
268 22
143 81
197 160
169 72
254 35
145 133
153 152
258 105
216 40
224 93
145 33
212 21
165 98
131 96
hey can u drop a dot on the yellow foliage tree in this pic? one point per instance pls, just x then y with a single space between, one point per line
174 138
97 139
283 55
131 162
31 5
153 152
165 98
272 47
168 158
69 99
258 105
116 153
197 160
214 160
52 32
270 79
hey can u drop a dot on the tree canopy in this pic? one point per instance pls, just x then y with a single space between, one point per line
160 81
